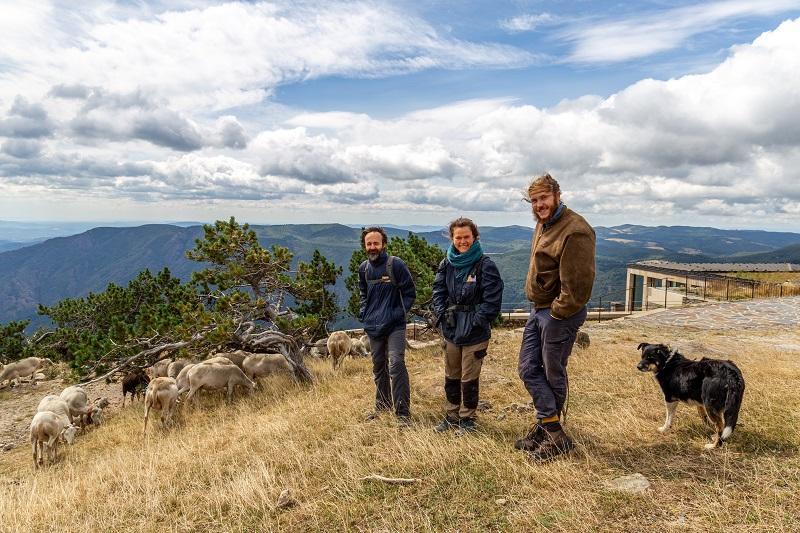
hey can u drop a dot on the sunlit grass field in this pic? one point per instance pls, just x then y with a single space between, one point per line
223 466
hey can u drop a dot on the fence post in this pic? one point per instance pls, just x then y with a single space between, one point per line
704 288
728 290
665 293
781 286
599 309
753 290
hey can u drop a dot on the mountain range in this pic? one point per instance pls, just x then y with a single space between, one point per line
72 266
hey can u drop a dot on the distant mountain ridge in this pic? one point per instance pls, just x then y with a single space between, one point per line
76 265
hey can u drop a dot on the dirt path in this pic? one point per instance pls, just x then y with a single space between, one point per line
18 405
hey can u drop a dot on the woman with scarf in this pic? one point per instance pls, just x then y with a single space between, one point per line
467 293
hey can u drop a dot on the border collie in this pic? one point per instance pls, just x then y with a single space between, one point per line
715 387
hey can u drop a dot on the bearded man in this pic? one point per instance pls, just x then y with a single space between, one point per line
387 292
559 283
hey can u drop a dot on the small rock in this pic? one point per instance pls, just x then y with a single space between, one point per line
483 405
632 484
501 416
518 407
285 500
7 447
501 501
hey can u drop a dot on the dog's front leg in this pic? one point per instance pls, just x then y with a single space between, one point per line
671 406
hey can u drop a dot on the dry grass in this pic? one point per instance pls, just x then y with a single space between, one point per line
223 467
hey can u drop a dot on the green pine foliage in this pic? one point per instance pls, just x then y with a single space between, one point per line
12 341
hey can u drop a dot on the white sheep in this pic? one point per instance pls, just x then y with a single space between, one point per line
338 344
23 368
158 369
175 367
182 381
79 406
47 428
215 377
357 349
365 341
258 365
161 395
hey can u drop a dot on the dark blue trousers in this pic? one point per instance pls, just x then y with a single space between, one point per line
546 345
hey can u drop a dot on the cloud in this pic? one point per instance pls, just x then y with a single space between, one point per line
26 120
528 22
22 148
234 54
644 35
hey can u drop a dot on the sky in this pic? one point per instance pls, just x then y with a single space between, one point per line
403 112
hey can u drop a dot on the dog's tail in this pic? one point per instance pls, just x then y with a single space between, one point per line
733 401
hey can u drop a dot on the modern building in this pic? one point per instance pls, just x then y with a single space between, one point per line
652 284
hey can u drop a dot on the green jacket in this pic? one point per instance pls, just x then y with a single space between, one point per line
561 270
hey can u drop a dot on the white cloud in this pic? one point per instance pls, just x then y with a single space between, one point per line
528 22
644 35
218 57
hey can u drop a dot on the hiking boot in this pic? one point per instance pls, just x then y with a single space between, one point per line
555 443
403 422
532 439
445 425
467 424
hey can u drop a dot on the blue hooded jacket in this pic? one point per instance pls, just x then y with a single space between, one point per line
384 304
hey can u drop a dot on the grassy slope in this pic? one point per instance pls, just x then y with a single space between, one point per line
223 467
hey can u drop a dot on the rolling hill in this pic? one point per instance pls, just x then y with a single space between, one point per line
76 265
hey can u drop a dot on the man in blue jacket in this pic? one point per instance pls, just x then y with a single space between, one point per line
387 292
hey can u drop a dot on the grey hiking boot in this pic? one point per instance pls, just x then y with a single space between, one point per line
555 443
445 425
403 422
532 439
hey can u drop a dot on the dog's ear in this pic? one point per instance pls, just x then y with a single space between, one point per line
641 345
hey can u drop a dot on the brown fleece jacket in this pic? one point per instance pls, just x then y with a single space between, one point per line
561 271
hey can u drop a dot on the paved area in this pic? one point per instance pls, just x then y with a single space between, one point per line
744 314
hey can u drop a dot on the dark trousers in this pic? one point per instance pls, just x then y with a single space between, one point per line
391 375
546 345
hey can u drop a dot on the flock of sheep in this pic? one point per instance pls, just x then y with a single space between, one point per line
59 418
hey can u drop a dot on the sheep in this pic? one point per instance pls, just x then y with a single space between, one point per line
47 428
134 383
365 341
158 369
358 349
176 366
215 377
338 347
183 379
218 360
263 364
55 404
22 368
161 395
79 406
237 356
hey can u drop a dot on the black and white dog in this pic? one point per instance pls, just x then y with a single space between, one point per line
715 387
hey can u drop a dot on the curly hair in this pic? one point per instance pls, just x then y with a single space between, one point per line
373 229
463 222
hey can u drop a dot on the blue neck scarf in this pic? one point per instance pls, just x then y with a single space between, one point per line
463 262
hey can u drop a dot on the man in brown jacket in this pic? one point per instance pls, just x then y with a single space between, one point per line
559 284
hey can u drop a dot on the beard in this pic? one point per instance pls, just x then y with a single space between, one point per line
374 255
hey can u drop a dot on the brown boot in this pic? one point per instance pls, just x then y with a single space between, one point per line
532 439
554 444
